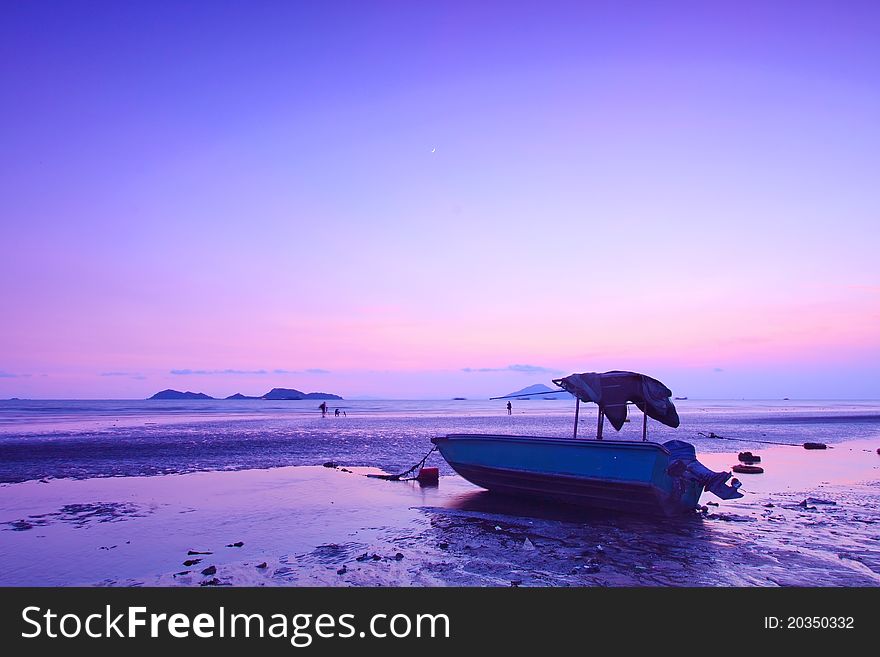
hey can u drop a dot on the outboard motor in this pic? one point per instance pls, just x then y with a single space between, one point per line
683 463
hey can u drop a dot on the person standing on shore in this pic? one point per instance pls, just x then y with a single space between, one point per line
509 408
323 408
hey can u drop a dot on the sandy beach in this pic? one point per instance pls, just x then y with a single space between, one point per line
811 520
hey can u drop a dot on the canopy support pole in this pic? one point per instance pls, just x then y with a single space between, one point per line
577 410
601 422
644 427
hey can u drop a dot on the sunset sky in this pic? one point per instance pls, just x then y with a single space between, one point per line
424 200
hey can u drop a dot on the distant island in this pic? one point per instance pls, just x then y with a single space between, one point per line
540 391
176 394
273 394
290 393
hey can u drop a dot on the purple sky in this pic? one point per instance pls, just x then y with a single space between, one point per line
437 199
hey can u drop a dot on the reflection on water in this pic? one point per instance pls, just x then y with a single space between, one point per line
488 502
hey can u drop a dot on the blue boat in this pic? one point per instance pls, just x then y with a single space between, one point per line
618 475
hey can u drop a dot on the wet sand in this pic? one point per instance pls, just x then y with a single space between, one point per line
812 519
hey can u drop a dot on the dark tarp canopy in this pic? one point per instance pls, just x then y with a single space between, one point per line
612 390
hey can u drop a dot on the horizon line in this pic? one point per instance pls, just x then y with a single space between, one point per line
817 399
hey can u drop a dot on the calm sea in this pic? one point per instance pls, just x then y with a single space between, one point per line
40 439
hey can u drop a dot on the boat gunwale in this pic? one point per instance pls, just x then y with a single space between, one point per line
638 444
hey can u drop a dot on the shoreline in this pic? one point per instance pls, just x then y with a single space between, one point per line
810 520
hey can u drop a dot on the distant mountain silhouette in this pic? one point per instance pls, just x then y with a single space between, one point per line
541 392
284 393
273 394
176 394
293 394
320 395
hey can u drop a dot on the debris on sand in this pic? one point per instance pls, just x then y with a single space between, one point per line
238 544
729 517
19 525
748 457
815 446
398 556
262 566
810 502
342 570
748 469
210 570
191 562
528 545
443 546
331 464
515 582
210 582
192 552
818 500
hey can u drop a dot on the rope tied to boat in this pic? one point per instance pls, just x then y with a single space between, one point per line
403 475
715 436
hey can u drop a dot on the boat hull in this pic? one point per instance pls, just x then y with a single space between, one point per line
615 475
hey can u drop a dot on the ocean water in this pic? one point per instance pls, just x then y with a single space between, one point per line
67 466
83 439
